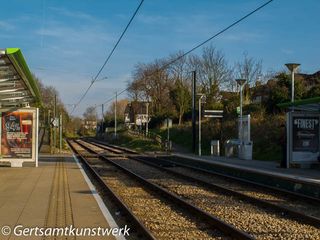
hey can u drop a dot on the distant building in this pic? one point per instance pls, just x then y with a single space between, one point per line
89 124
136 114
311 80
261 92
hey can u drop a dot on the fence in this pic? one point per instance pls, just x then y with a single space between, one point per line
155 137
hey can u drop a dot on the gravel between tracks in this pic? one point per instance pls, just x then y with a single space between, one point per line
279 199
247 217
163 219
307 208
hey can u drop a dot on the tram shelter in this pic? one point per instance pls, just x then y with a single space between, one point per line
19 102
303 132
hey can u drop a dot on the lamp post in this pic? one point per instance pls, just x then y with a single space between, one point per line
200 101
241 82
292 68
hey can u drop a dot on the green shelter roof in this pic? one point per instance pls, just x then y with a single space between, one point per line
17 85
309 104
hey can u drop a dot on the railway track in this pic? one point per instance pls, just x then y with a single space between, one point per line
297 205
277 214
161 212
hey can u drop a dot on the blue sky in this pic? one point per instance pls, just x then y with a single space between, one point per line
66 42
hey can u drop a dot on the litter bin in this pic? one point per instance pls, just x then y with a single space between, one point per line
245 150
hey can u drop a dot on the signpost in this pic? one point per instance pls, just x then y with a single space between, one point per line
213 113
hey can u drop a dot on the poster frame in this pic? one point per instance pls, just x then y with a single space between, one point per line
300 157
17 162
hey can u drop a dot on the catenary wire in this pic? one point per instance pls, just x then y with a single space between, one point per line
196 47
109 56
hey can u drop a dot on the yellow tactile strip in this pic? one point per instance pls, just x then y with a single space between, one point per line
59 212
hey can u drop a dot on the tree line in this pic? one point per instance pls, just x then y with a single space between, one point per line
168 89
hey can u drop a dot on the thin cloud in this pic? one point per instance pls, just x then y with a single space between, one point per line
72 14
242 36
287 51
153 19
6 26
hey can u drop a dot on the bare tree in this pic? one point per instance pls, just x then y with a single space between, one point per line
249 69
90 114
212 68
151 83
181 90
215 68
137 88
121 107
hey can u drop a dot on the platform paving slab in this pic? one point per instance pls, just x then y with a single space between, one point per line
52 195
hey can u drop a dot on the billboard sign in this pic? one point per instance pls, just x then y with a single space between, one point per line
303 137
19 135
305 132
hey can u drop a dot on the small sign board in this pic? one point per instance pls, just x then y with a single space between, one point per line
167 123
213 113
238 110
54 122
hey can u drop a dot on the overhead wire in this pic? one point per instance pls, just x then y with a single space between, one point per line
109 56
199 45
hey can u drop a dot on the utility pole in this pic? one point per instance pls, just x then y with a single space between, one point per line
115 116
147 123
60 126
102 120
50 134
193 111
200 101
54 127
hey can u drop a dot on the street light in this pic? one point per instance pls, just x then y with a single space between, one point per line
200 101
292 68
241 82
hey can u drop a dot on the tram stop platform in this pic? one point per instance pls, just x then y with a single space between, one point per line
54 195
303 181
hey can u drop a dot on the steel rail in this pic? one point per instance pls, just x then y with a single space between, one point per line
136 222
298 216
296 195
217 223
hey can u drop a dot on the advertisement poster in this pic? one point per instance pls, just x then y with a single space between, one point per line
305 132
16 134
